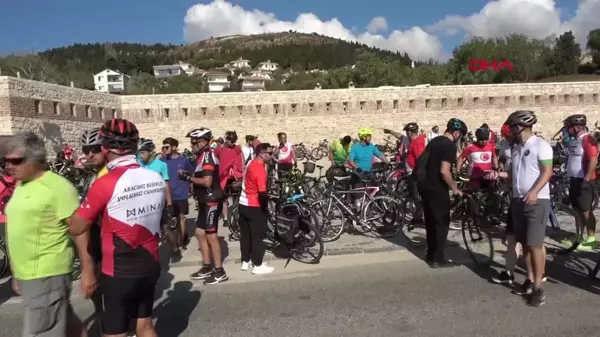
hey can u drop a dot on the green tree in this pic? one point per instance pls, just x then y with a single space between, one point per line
567 54
593 40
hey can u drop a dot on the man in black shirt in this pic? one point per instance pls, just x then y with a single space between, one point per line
434 183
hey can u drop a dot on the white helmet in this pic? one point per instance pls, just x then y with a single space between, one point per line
146 145
201 133
91 137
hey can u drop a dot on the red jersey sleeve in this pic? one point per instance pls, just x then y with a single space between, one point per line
590 147
96 200
466 152
419 147
261 178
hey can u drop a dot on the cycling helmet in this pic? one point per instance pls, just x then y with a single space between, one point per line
231 135
200 133
573 120
482 134
412 127
146 145
119 135
455 124
364 132
522 118
91 137
505 131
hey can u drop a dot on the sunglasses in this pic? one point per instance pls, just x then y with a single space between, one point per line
91 148
14 161
166 147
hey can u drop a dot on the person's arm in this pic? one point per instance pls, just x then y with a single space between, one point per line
204 171
545 164
590 150
449 158
93 205
463 155
164 172
379 155
352 158
557 133
330 154
261 180
397 135
495 164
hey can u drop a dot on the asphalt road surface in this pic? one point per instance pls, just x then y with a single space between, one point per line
385 294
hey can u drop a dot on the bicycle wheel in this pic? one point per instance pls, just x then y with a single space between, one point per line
565 232
413 231
308 246
476 233
3 259
383 215
331 218
315 154
234 222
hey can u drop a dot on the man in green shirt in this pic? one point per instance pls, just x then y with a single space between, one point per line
340 150
39 246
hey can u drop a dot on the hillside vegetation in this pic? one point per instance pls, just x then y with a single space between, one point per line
310 60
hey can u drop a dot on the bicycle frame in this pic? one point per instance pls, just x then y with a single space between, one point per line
366 192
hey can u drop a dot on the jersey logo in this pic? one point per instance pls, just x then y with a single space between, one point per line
485 156
526 153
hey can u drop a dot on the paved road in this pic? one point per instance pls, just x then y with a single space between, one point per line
383 294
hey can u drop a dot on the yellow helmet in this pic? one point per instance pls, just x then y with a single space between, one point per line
364 132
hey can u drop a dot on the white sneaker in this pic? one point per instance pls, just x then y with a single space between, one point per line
246 266
262 269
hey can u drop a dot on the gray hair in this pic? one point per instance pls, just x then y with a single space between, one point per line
32 146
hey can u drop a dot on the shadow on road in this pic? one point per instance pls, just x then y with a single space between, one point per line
173 312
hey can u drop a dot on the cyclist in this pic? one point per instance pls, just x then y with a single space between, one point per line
361 156
207 190
147 159
248 149
481 157
581 169
131 201
338 154
285 155
493 139
504 155
231 167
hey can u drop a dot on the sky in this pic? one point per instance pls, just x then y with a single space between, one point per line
425 29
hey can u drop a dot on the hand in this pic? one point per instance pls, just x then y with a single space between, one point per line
530 198
89 282
458 192
493 175
15 287
386 131
169 211
184 175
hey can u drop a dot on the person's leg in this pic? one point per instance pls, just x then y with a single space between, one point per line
245 243
118 309
212 221
507 276
430 227
442 220
537 217
201 235
583 205
258 231
145 299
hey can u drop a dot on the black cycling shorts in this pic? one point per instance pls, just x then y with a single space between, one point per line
581 194
125 299
180 207
208 216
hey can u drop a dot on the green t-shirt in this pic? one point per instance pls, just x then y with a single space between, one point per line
340 152
36 231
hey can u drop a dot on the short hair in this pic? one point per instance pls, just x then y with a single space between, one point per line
32 146
281 134
485 126
171 141
250 138
346 139
263 147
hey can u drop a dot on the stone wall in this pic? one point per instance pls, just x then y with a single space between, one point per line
58 113
61 113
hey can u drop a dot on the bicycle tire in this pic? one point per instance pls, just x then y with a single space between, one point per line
315 154
315 240
392 227
408 225
4 260
327 232
473 225
579 230
234 223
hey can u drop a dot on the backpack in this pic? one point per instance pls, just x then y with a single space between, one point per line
420 171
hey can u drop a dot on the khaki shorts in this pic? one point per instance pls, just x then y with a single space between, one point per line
47 306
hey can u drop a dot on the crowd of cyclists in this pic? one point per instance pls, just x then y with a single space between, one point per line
138 195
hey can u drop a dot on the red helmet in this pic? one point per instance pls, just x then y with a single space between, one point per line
119 135
505 131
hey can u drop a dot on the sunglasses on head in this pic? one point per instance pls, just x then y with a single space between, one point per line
91 148
14 161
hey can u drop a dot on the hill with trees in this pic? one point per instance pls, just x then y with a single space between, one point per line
310 60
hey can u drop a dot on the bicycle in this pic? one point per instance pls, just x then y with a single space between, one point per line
319 152
474 228
362 220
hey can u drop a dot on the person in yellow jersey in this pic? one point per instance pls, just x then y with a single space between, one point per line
39 245
339 151
89 244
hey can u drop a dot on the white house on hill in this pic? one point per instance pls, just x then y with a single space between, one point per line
111 81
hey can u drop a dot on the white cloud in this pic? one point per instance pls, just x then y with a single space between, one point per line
221 18
377 24
534 18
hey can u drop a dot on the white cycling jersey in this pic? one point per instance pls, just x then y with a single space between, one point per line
526 161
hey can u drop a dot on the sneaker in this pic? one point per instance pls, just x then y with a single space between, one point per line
537 298
455 226
205 272
544 278
218 276
262 269
504 277
526 288
588 244
246 266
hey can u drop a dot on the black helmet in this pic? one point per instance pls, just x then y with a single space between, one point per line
231 135
573 120
455 124
412 127
522 118
119 135
482 134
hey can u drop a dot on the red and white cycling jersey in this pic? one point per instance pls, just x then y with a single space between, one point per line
130 199
286 153
254 183
581 150
480 159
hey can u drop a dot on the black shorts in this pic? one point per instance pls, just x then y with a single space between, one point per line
208 216
125 299
180 207
581 194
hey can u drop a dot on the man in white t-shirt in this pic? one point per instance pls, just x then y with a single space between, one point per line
248 149
435 131
531 170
